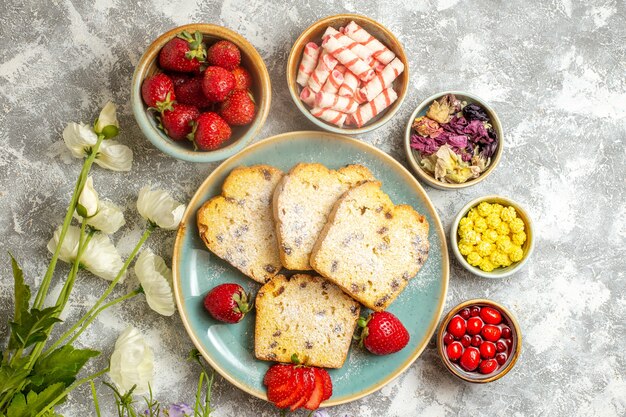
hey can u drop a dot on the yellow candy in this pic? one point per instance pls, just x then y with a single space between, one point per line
516 225
465 248
474 259
503 229
493 220
466 222
496 208
516 254
480 225
499 258
519 238
473 214
490 235
506 261
464 229
484 209
486 265
484 248
508 214
504 243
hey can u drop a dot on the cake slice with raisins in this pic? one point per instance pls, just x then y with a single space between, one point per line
302 202
370 247
238 225
307 316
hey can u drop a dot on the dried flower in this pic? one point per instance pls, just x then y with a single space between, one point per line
456 125
439 112
156 280
132 362
477 132
475 112
427 127
159 208
426 145
447 166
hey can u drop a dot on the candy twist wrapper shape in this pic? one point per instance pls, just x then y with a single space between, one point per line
380 51
369 110
348 58
308 63
334 82
321 73
330 116
349 86
359 50
382 80
307 96
335 102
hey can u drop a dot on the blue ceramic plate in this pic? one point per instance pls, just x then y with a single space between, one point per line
229 347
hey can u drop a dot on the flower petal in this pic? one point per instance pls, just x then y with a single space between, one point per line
108 219
158 207
132 362
102 259
114 156
156 280
107 118
69 248
78 138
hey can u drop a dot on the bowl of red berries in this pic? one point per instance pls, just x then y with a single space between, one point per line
479 341
200 93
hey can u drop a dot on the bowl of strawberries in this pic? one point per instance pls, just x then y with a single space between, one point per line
200 93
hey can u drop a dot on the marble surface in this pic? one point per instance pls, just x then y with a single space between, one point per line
554 72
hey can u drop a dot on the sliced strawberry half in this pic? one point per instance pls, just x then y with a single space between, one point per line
298 390
328 384
308 386
318 391
280 382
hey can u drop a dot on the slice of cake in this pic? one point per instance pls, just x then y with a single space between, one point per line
305 315
370 247
302 202
238 225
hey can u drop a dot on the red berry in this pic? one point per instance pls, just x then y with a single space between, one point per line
243 80
501 346
487 366
217 83
157 91
184 53
224 54
477 341
447 339
501 358
466 340
317 396
190 92
210 131
474 325
179 77
309 385
328 384
506 332
490 315
474 311
383 333
470 359
177 123
454 351
280 382
238 109
465 313
456 327
227 303
487 350
491 332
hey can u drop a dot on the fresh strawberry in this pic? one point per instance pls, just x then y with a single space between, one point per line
308 382
280 382
328 384
178 78
158 92
383 333
227 303
296 394
243 80
190 92
177 122
317 395
184 53
210 131
224 54
238 109
217 83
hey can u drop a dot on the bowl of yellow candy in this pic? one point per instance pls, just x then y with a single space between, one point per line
492 237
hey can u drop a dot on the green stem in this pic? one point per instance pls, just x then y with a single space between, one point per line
69 389
83 242
100 310
80 183
95 398
108 291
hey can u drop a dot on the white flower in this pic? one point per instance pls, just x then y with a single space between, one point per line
156 280
158 207
114 156
88 200
108 219
100 257
107 123
132 362
79 138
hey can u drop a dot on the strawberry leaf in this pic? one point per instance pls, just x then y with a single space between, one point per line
61 365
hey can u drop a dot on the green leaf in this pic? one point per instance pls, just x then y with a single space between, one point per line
21 296
33 403
62 365
33 326
11 377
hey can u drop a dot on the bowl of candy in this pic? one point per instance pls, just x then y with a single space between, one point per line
492 237
479 341
200 92
347 74
453 140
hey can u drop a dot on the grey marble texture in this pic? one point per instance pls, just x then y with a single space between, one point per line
553 70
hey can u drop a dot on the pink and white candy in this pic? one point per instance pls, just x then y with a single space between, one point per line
382 80
369 110
333 82
348 58
379 51
307 64
349 86
334 102
358 49
307 96
324 67
330 116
